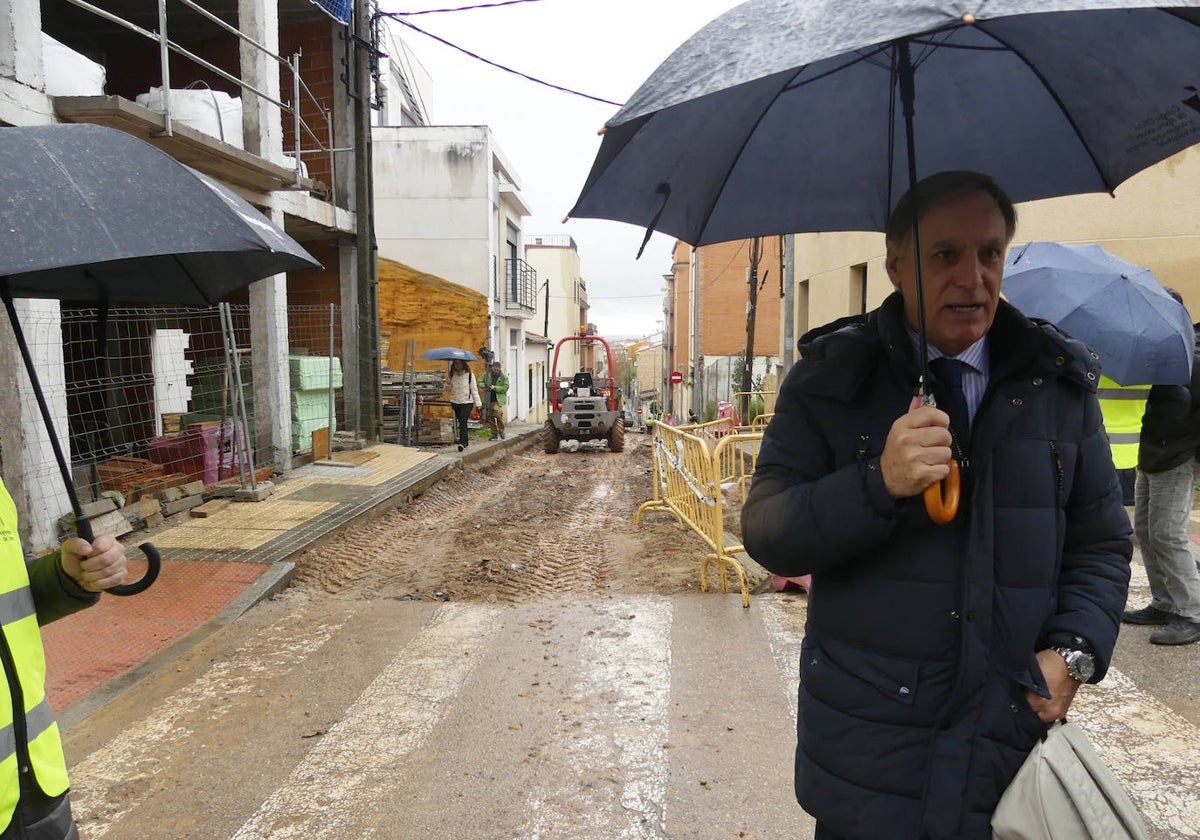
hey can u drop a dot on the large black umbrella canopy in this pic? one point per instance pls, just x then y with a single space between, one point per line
786 116
89 213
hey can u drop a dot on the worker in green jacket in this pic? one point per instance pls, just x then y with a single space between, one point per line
1123 407
495 387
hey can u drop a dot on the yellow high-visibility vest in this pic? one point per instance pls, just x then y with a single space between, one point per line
1123 407
25 672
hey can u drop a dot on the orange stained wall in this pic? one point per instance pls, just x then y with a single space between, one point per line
432 311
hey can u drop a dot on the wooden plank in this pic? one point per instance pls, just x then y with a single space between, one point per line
360 456
209 508
320 444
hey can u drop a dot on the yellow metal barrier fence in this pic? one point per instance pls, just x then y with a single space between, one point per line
689 472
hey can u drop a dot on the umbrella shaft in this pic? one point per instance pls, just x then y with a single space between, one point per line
908 95
83 526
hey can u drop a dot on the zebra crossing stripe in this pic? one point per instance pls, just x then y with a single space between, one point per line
131 759
633 672
1152 750
345 774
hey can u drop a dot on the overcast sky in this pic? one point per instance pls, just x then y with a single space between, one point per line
604 48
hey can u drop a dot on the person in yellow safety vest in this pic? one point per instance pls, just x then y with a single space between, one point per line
1123 407
36 591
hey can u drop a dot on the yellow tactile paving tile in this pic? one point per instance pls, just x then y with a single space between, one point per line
242 524
195 536
270 514
392 460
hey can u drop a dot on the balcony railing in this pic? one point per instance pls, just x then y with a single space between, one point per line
521 285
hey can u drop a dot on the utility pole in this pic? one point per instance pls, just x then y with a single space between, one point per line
788 293
751 312
370 389
697 395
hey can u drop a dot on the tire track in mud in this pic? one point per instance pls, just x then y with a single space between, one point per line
572 552
532 525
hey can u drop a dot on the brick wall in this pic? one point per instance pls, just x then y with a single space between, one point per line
724 295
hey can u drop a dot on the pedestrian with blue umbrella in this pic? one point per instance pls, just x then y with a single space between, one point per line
464 397
1141 335
1164 494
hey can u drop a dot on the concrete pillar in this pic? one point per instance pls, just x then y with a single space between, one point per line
343 127
263 132
272 379
30 472
22 78
261 119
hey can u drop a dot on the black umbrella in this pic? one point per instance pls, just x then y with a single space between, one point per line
89 213
785 116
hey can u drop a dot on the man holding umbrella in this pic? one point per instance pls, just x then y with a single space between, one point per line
935 656
33 771
495 386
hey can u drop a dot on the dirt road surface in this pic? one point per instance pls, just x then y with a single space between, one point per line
492 660
537 525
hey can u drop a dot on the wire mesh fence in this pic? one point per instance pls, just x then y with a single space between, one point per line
156 391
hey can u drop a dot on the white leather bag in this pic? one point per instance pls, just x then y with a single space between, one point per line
1064 791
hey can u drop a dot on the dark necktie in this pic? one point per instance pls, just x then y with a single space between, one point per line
949 373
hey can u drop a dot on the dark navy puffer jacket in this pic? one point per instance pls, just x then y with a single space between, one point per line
921 639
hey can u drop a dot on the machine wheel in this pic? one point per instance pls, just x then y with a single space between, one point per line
550 438
616 438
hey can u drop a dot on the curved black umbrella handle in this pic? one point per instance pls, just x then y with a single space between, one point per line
153 563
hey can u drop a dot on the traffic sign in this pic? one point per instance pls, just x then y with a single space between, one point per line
676 377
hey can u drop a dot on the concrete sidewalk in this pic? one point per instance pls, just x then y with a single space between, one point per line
215 568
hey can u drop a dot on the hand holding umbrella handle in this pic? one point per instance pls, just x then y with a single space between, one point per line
83 528
941 497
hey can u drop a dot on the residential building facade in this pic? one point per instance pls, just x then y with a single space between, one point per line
448 203
706 316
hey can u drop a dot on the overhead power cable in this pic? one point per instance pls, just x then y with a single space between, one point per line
463 8
399 17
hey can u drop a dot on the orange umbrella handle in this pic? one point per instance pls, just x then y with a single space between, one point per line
941 497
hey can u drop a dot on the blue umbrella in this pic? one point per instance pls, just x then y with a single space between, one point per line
449 354
1142 334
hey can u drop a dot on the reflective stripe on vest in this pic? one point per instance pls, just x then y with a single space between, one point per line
18 623
1122 407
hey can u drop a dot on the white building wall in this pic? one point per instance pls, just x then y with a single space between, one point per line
559 265
433 201
445 198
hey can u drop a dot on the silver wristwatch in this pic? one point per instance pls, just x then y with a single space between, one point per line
1080 665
